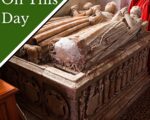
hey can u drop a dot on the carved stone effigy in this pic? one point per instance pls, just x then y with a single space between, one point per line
102 92
65 26
84 40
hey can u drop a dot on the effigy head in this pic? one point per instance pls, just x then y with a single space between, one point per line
111 7
87 5
135 11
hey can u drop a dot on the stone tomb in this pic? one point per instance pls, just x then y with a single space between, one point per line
99 92
102 92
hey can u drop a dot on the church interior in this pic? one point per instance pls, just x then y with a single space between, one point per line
91 61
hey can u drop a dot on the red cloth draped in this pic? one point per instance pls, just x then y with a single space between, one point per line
133 3
145 8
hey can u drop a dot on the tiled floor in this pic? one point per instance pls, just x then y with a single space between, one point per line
140 109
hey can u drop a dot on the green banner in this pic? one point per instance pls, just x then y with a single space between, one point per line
20 20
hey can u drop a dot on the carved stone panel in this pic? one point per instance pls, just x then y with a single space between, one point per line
55 104
112 85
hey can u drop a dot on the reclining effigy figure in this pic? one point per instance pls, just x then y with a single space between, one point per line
87 47
67 27
50 33
79 22
81 41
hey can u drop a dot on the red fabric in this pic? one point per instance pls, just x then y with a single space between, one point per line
145 8
133 3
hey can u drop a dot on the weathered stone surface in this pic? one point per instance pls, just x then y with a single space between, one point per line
99 93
